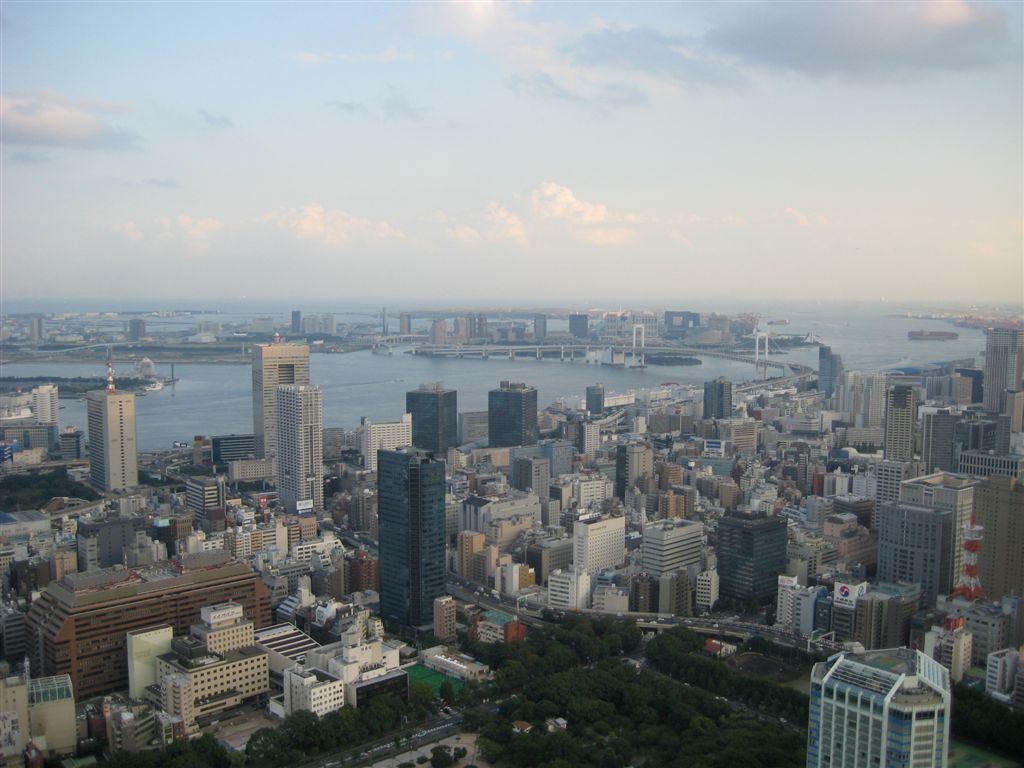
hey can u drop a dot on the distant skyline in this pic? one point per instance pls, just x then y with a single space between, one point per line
568 154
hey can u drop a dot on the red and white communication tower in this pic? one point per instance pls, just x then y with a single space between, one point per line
969 585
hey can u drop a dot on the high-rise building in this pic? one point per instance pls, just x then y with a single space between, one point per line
595 399
938 445
411 505
300 446
136 329
45 403
671 545
718 399
598 543
435 417
999 509
830 371
113 461
112 541
439 331
900 417
540 328
77 626
472 426
296 326
915 545
384 436
227 448
531 474
273 365
37 329
579 325
404 324
1004 365
751 552
444 618
880 708
512 415
633 461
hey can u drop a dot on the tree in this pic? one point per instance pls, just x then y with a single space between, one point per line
421 695
441 757
447 691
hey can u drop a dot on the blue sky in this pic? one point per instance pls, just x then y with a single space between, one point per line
515 152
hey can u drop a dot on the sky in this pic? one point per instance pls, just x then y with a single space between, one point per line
523 153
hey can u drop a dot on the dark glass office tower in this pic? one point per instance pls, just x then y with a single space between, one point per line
751 554
718 399
511 415
579 325
595 398
435 417
411 513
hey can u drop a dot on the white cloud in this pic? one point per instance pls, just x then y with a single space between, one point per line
463 233
553 201
49 118
129 230
330 226
198 229
308 57
388 55
503 224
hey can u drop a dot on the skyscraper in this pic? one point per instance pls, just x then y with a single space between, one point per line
540 328
999 509
579 325
272 365
300 445
386 435
900 417
113 462
718 398
830 371
531 474
1004 364
296 321
880 708
915 545
595 399
512 415
412 533
45 403
751 554
938 432
435 417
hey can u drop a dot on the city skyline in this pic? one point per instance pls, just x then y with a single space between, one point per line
747 148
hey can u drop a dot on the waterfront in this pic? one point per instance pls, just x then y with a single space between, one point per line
216 399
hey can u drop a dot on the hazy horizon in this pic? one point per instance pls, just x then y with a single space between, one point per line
646 154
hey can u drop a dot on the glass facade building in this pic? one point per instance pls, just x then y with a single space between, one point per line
512 415
435 417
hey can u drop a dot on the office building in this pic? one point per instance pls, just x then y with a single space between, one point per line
411 506
136 329
718 399
439 331
77 625
512 415
112 541
549 555
986 464
751 552
595 399
915 545
472 426
880 708
45 403
404 324
568 590
938 446
633 462
1004 365
204 493
579 325
599 543
69 444
999 510
273 365
540 328
300 446
900 417
384 436
113 461
531 474
830 371
435 417
225 448
296 326
671 545
444 618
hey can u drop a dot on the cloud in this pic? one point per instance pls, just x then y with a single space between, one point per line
305 57
388 55
165 183
216 120
29 157
590 222
129 230
865 40
463 233
681 59
48 118
502 224
396 106
330 226
540 85
198 229
802 219
348 107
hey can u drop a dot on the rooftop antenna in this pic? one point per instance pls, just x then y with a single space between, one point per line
110 372
969 585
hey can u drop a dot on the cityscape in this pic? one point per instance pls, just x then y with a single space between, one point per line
343 436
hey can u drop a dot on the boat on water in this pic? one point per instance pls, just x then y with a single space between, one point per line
933 335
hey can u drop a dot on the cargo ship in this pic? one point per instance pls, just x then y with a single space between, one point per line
933 335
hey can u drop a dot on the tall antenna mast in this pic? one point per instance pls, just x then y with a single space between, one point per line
969 585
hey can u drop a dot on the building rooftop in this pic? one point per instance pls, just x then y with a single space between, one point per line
497 617
48 689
